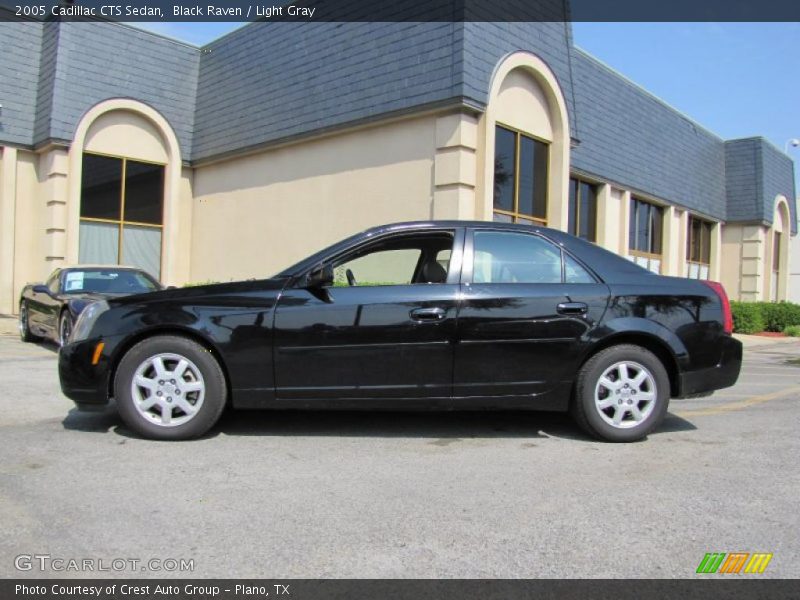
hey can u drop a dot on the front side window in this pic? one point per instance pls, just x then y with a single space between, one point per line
583 209
645 233
121 212
520 178
405 260
510 257
698 248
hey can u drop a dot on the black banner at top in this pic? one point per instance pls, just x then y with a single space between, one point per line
403 10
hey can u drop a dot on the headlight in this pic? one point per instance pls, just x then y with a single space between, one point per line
87 320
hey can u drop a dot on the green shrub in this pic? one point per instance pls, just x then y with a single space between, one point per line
755 317
792 331
748 317
780 315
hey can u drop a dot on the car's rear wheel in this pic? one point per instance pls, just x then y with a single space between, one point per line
64 328
622 394
169 388
24 325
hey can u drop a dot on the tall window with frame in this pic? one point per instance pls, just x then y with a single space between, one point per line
583 209
645 234
122 212
520 177
698 248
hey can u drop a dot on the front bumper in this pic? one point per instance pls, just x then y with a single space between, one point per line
723 375
81 381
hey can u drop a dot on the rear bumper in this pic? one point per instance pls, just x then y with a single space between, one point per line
723 375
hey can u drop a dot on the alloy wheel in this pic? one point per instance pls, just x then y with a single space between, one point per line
64 330
625 394
23 321
168 389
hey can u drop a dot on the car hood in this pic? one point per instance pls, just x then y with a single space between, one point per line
215 290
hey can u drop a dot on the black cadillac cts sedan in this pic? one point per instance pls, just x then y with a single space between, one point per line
429 315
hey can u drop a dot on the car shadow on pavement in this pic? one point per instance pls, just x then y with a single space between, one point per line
47 345
436 425
103 421
440 426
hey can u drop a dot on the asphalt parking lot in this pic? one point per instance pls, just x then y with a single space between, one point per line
461 495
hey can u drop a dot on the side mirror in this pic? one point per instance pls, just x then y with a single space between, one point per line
40 289
320 276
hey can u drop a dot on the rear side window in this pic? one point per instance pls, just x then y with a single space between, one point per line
574 272
510 257
507 257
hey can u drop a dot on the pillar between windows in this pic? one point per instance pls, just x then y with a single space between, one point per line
715 269
624 221
674 233
608 218
455 167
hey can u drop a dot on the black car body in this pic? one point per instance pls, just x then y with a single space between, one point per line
492 316
49 310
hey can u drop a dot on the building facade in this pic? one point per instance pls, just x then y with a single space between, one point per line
238 158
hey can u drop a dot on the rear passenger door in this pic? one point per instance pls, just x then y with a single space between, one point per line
526 308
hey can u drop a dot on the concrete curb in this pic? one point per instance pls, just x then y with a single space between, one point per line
752 341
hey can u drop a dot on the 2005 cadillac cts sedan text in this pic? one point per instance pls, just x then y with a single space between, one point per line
430 315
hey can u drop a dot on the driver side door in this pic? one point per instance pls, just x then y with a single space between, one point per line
384 328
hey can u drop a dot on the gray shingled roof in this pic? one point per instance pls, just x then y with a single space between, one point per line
268 82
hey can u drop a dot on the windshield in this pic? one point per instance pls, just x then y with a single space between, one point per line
108 281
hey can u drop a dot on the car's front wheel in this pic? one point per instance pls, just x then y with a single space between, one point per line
64 328
169 388
622 394
24 324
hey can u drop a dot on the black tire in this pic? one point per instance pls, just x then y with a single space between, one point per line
586 409
24 325
65 326
212 403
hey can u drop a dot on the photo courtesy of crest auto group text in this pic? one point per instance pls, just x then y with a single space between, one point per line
343 299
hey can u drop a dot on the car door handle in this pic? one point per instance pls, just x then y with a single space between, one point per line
572 308
428 314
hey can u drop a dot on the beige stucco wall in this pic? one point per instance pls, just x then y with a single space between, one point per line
126 133
522 103
254 215
30 255
743 265
8 193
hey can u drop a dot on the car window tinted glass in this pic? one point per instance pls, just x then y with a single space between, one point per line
575 273
108 281
385 267
443 258
507 257
397 260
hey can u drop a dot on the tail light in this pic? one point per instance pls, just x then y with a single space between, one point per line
727 316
